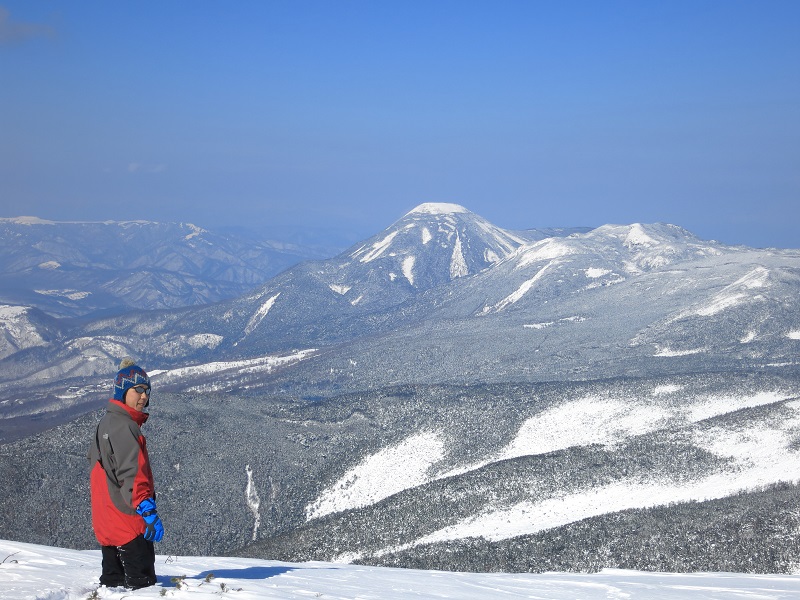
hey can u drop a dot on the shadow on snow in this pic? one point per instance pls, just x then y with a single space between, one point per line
245 573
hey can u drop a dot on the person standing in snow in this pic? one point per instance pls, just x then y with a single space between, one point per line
124 516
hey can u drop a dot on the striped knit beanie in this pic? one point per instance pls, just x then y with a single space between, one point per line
128 376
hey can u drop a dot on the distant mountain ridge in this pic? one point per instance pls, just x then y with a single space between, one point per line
74 268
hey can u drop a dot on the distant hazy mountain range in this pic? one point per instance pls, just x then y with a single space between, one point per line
71 269
446 393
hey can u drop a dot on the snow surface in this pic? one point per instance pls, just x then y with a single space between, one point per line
637 236
583 422
27 221
16 330
408 268
458 264
50 265
523 289
546 324
595 272
179 345
668 353
759 456
381 475
426 236
667 388
260 314
756 457
196 231
38 221
508 240
253 501
438 208
378 248
749 337
263 364
549 249
70 294
11 313
736 293
580 422
31 572
340 288
709 406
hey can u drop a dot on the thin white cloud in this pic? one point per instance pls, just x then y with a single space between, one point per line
15 31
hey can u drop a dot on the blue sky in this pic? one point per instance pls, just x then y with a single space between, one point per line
344 115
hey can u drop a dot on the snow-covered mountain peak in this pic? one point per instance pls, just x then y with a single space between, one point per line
648 246
431 245
444 222
195 231
638 246
438 208
603 257
637 236
647 235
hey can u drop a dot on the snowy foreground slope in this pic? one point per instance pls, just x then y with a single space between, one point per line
46 573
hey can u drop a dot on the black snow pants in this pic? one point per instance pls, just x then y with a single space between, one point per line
131 565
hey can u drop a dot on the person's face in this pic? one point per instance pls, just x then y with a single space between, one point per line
137 396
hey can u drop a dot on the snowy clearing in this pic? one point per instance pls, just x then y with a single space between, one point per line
263 364
381 475
378 248
260 314
519 293
595 273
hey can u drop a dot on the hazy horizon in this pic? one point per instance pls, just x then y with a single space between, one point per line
342 117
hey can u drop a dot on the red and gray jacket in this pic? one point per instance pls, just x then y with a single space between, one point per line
121 477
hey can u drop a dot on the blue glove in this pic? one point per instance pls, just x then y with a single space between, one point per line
155 529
